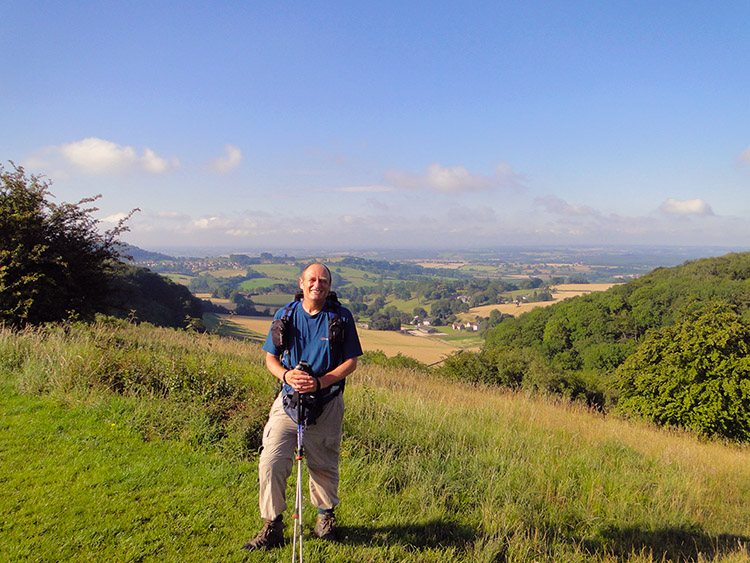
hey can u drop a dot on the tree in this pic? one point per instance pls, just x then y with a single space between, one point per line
54 263
145 296
531 283
694 374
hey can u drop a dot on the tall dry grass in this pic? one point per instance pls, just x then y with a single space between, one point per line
551 481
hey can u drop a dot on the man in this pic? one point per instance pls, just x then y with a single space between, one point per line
316 330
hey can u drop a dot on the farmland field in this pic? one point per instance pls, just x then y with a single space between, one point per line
563 292
182 279
356 278
224 272
216 300
274 300
259 283
282 272
426 349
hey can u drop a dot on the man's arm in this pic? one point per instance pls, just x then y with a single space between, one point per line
338 373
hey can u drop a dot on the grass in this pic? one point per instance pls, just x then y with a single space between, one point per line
464 339
357 278
257 284
274 300
179 278
431 471
408 306
225 272
80 484
278 272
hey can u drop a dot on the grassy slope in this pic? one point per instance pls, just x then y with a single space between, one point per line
81 485
431 471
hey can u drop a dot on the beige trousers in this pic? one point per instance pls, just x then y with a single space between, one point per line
322 445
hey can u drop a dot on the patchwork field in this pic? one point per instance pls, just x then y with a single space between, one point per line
563 291
426 349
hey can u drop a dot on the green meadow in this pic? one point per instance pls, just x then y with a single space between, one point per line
258 284
126 443
279 272
275 300
356 277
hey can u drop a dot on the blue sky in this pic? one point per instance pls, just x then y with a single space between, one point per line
352 125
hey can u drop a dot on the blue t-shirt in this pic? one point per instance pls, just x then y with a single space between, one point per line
309 339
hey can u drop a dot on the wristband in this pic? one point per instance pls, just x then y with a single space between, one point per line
283 377
317 381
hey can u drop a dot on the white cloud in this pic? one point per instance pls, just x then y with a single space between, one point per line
557 206
116 218
98 156
211 223
155 164
453 179
442 226
177 227
229 162
686 207
238 233
372 203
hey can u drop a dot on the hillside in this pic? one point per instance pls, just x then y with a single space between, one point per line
587 346
144 296
125 443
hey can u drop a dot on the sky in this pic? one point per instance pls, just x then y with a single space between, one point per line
352 125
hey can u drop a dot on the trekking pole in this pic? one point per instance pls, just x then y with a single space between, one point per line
297 516
300 452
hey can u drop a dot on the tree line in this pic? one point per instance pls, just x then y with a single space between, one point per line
671 346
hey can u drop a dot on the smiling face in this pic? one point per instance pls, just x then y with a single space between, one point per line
315 284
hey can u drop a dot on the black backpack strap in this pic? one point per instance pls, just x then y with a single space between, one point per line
280 328
336 327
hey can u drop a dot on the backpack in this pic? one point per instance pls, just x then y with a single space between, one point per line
312 403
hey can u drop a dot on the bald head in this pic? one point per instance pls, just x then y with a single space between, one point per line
302 274
315 283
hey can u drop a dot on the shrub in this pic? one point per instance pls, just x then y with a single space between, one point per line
469 366
694 374
378 358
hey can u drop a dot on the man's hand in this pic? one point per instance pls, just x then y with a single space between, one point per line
301 381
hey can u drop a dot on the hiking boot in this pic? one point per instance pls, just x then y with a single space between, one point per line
325 526
271 535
